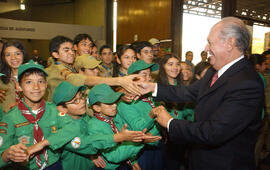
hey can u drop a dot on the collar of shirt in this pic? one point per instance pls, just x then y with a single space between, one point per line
227 66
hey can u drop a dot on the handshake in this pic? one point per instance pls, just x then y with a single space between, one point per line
161 115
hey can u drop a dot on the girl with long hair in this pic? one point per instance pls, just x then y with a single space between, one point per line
170 74
12 56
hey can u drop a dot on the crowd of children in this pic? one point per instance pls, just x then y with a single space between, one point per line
83 111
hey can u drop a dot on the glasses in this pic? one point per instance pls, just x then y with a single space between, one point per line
82 96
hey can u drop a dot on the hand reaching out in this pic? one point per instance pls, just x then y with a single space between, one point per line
149 138
98 161
15 153
162 116
127 135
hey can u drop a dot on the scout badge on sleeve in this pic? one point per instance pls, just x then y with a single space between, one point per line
76 142
61 114
24 139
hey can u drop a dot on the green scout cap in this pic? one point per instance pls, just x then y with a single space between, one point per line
84 61
30 65
102 93
141 65
65 91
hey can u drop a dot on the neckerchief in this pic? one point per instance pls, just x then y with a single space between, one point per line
109 70
37 133
113 126
107 120
71 68
175 112
148 100
15 83
121 74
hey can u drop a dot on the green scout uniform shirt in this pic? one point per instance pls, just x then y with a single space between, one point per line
10 95
186 113
15 129
136 114
60 72
106 71
115 155
76 154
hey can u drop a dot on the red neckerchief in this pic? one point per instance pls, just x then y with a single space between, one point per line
113 126
148 100
175 112
17 96
37 133
107 120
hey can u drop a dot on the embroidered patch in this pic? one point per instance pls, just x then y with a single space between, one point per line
61 114
22 124
76 142
24 139
1 141
3 131
54 129
4 124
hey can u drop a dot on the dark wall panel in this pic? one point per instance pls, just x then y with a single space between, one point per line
147 19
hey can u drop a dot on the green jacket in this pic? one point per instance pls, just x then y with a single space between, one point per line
136 114
76 153
115 155
15 129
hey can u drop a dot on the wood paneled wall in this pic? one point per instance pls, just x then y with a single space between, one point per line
145 18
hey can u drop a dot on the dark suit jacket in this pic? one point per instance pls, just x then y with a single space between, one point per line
227 118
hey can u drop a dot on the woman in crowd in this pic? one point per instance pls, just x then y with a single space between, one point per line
170 74
125 57
12 56
186 72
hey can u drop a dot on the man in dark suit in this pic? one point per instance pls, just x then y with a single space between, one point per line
229 102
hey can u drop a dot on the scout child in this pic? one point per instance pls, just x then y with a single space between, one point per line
125 57
32 121
145 53
86 66
138 116
12 56
83 44
106 121
62 51
95 53
107 57
76 153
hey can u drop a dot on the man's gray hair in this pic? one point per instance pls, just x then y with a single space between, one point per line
234 27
